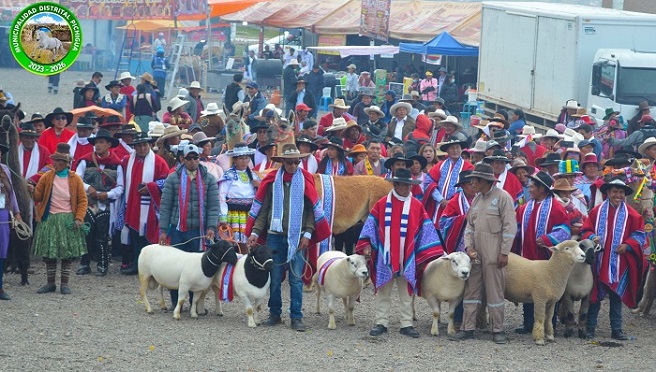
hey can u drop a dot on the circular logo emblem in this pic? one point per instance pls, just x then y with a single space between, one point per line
45 38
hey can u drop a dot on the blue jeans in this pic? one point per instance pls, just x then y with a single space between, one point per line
278 243
615 312
178 237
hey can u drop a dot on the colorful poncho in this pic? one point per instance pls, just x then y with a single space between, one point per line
621 273
546 220
422 243
453 221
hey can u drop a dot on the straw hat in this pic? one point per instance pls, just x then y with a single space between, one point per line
452 120
176 103
528 131
439 113
293 62
195 85
395 106
147 77
479 146
172 131
375 109
562 184
647 144
338 124
551 133
571 104
156 129
211 109
340 104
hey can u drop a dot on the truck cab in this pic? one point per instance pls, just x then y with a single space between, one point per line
621 79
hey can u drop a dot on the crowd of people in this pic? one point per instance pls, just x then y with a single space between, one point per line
497 188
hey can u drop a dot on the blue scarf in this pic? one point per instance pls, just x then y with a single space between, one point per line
296 201
451 177
329 168
619 226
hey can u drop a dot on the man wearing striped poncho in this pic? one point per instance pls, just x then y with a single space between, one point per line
400 240
618 267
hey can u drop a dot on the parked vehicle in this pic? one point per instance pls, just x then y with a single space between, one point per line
536 56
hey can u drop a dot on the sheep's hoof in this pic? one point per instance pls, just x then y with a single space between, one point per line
551 339
539 342
635 311
569 332
150 312
219 314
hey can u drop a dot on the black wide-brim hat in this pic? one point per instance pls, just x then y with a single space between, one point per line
550 159
307 140
414 156
335 142
543 179
398 157
445 145
57 111
104 134
403 176
616 183
87 87
266 146
259 125
497 155
141 137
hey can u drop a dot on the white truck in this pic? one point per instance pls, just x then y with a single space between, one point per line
536 56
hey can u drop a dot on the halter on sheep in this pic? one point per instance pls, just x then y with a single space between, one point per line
248 279
175 269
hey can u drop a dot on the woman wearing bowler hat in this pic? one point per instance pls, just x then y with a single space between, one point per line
334 162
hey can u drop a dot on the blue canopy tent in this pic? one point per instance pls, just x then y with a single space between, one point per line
443 44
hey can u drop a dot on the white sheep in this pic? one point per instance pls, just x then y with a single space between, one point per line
340 276
251 278
444 280
542 283
579 286
172 268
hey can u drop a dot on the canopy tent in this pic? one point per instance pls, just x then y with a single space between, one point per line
149 25
346 50
219 8
443 44
409 20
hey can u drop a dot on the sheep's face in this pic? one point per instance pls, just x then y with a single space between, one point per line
460 264
263 255
572 248
588 246
358 266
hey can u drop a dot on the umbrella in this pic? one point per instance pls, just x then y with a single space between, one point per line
100 112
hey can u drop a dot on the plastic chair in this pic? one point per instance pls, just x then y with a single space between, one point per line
326 99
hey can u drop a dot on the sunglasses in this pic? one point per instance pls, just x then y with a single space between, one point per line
195 157
60 117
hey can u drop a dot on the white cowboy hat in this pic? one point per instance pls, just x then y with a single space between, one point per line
176 102
528 130
211 109
156 129
571 135
293 62
395 106
375 109
351 66
195 85
125 75
338 124
647 144
182 93
340 104
571 104
452 120
551 133
240 150
439 113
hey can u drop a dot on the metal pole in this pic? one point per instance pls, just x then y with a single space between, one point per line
209 38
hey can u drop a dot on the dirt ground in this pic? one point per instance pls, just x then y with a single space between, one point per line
102 325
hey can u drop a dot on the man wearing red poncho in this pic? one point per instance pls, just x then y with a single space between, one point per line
400 240
618 267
